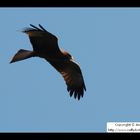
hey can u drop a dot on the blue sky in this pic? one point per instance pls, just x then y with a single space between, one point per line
106 44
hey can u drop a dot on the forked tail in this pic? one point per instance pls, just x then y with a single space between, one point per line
21 55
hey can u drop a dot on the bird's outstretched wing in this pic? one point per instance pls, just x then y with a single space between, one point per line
42 40
72 75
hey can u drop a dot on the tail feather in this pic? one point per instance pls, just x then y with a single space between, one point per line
21 55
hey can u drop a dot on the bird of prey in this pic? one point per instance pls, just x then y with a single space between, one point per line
45 45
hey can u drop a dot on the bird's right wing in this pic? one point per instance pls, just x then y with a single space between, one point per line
42 40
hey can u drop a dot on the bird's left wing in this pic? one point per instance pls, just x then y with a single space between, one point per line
72 75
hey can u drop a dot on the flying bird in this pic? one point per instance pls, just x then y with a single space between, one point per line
45 45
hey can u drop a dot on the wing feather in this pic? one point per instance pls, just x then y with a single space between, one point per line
42 41
72 75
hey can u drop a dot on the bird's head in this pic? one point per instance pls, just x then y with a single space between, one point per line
67 55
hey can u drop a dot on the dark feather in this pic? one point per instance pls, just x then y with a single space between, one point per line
35 27
45 45
42 28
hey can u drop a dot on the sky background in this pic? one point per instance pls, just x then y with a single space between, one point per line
106 44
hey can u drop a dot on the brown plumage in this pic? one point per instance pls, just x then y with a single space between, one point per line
45 45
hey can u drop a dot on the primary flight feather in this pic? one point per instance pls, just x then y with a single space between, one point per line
45 45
